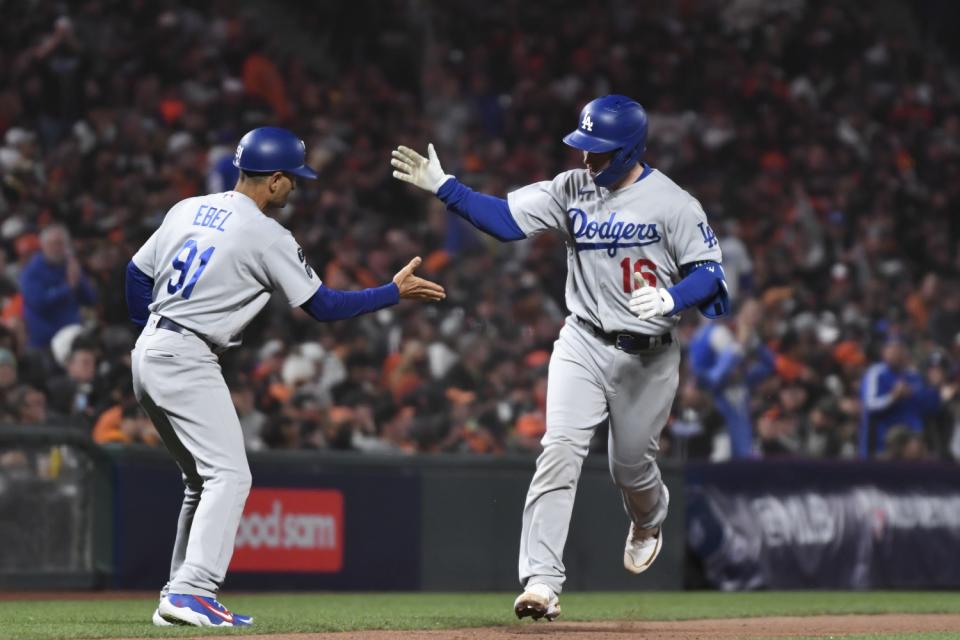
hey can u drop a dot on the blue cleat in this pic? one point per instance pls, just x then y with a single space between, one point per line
199 611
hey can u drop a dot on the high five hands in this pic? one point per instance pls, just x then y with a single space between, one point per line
414 287
412 167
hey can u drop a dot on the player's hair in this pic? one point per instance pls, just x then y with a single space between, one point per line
255 176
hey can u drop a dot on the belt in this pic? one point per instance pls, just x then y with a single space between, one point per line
170 325
629 342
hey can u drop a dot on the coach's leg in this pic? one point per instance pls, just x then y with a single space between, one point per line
201 429
192 481
576 404
193 485
644 387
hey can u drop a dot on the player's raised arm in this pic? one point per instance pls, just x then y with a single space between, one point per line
487 213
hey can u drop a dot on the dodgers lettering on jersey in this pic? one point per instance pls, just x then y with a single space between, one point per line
215 261
651 226
617 234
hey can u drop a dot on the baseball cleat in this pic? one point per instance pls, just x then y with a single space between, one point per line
537 601
199 611
643 547
158 620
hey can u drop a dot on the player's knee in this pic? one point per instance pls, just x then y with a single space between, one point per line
234 480
559 464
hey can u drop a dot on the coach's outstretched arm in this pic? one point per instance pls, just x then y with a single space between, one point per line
326 305
487 213
329 304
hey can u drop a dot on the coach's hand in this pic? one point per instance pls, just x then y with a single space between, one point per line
414 287
648 302
414 168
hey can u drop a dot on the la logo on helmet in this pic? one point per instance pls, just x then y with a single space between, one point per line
236 158
587 123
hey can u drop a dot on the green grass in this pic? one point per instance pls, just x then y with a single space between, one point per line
291 613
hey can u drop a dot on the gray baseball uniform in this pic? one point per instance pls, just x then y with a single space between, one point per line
215 261
652 227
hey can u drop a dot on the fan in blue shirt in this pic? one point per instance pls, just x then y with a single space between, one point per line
892 393
54 288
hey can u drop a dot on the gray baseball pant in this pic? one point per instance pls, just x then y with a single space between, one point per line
590 381
177 380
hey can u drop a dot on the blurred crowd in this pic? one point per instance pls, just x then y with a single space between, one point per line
823 141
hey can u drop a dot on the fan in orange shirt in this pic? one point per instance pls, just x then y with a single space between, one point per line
125 424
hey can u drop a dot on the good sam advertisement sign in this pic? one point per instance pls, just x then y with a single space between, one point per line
297 530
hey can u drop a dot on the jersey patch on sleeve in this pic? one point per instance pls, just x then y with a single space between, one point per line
303 260
709 237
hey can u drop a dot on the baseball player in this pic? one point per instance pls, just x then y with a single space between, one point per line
196 283
639 251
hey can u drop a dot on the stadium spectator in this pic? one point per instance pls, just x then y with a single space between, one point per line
831 432
8 371
830 166
74 394
894 394
252 420
54 287
29 406
901 443
730 361
125 424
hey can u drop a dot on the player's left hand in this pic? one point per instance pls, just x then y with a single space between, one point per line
414 287
649 302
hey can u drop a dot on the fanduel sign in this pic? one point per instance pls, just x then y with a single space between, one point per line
290 530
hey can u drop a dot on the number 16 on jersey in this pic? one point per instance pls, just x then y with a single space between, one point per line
639 267
183 265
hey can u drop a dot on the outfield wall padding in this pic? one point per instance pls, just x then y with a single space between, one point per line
804 524
75 515
318 520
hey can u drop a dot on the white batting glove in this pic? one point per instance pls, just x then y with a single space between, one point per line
649 302
414 168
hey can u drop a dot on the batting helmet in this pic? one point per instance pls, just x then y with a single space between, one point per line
270 149
612 123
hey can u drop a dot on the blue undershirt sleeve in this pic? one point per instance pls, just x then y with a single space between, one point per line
329 304
703 287
487 213
139 293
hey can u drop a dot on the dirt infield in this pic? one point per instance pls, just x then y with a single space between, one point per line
725 629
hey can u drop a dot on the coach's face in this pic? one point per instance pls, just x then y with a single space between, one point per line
597 162
280 185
